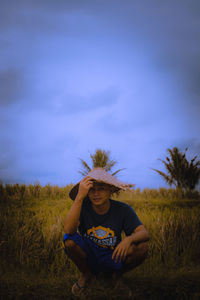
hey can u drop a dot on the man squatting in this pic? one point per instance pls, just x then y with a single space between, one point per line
93 229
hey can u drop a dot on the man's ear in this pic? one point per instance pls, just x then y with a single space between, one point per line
112 190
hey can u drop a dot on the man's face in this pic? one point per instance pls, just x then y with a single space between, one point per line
99 194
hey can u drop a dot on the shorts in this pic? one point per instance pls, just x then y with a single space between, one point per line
99 259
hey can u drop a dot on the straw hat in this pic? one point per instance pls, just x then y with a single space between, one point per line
100 175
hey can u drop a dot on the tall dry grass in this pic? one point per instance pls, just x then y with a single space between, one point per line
32 217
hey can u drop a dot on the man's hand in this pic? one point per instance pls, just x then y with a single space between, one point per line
84 186
139 235
72 218
121 250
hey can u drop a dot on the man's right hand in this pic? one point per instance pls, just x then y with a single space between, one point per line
72 218
84 186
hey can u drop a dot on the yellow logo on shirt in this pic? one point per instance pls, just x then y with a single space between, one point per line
104 237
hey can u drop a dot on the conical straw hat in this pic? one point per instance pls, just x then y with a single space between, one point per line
100 175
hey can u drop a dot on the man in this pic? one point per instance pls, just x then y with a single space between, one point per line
97 246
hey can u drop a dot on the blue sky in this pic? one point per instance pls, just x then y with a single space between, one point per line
78 75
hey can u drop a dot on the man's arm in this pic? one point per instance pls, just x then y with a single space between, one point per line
72 218
139 235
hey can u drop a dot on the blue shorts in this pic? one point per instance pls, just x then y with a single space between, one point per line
99 259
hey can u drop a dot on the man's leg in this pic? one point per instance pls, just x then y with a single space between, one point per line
135 256
78 256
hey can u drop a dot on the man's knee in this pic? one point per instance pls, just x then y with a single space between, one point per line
136 256
69 245
140 250
73 250
143 248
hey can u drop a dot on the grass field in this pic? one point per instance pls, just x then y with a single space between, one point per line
34 266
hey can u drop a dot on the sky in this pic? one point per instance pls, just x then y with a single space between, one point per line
77 75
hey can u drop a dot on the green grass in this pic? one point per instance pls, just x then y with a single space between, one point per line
34 266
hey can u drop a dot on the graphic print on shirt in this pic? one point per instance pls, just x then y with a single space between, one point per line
104 237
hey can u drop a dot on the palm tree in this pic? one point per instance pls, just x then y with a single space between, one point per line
100 158
192 174
180 172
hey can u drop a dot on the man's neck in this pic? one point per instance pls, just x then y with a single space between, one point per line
102 209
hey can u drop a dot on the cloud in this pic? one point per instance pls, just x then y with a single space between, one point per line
43 17
104 98
193 145
39 148
174 45
123 76
11 86
23 13
171 40
8 159
193 78
58 104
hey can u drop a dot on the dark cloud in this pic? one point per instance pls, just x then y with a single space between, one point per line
166 32
112 124
24 18
29 22
193 79
174 44
193 145
74 104
39 16
7 160
106 97
11 86
3 165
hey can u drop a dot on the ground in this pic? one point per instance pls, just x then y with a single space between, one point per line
26 284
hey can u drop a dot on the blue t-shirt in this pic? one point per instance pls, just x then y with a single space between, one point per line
105 230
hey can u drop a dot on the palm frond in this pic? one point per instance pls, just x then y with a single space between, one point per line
101 158
113 174
86 168
83 173
180 172
166 177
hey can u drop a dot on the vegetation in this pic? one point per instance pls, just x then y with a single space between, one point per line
100 158
34 265
182 173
